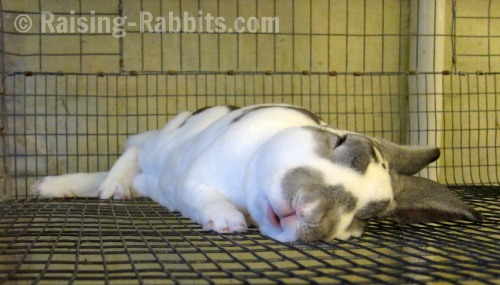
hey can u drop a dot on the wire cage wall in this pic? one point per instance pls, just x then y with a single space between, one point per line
414 72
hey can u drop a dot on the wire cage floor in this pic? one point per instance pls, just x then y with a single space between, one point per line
86 240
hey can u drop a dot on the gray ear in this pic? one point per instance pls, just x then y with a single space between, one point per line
420 200
407 159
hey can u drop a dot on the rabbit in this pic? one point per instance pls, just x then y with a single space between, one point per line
276 166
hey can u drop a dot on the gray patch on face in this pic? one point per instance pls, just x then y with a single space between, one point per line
298 178
334 201
373 209
325 141
304 112
356 225
354 153
352 150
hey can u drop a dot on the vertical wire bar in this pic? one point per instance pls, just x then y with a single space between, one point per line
235 89
56 115
78 118
181 61
178 99
447 114
393 112
15 134
403 133
346 68
46 132
80 44
199 41
143 51
35 129
437 106
207 92
294 37
462 168
257 38
97 120
218 40
4 186
310 76
127 104
66 124
40 49
454 36
254 93
135 80
237 38
275 35
496 143
364 35
328 58
108 121
469 129
196 93
145 97
117 117
475 127
157 102
486 132
186 92
400 36
310 37
489 36
121 60
383 40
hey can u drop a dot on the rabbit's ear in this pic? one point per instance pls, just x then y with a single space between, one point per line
407 159
420 200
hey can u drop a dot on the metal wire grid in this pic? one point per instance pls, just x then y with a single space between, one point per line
316 36
466 55
370 63
79 123
357 64
313 36
90 123
140 242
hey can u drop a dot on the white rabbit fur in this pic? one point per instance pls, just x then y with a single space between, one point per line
277 166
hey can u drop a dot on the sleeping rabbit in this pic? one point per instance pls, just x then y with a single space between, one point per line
276 166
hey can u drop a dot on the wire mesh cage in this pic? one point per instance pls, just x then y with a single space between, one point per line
79 77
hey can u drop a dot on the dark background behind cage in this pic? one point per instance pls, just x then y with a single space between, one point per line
418 72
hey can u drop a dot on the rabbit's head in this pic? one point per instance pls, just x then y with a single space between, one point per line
326 184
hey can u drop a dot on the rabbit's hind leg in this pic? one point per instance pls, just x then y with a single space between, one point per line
69 185
118 183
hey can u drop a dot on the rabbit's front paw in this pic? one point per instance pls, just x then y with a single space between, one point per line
224 220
